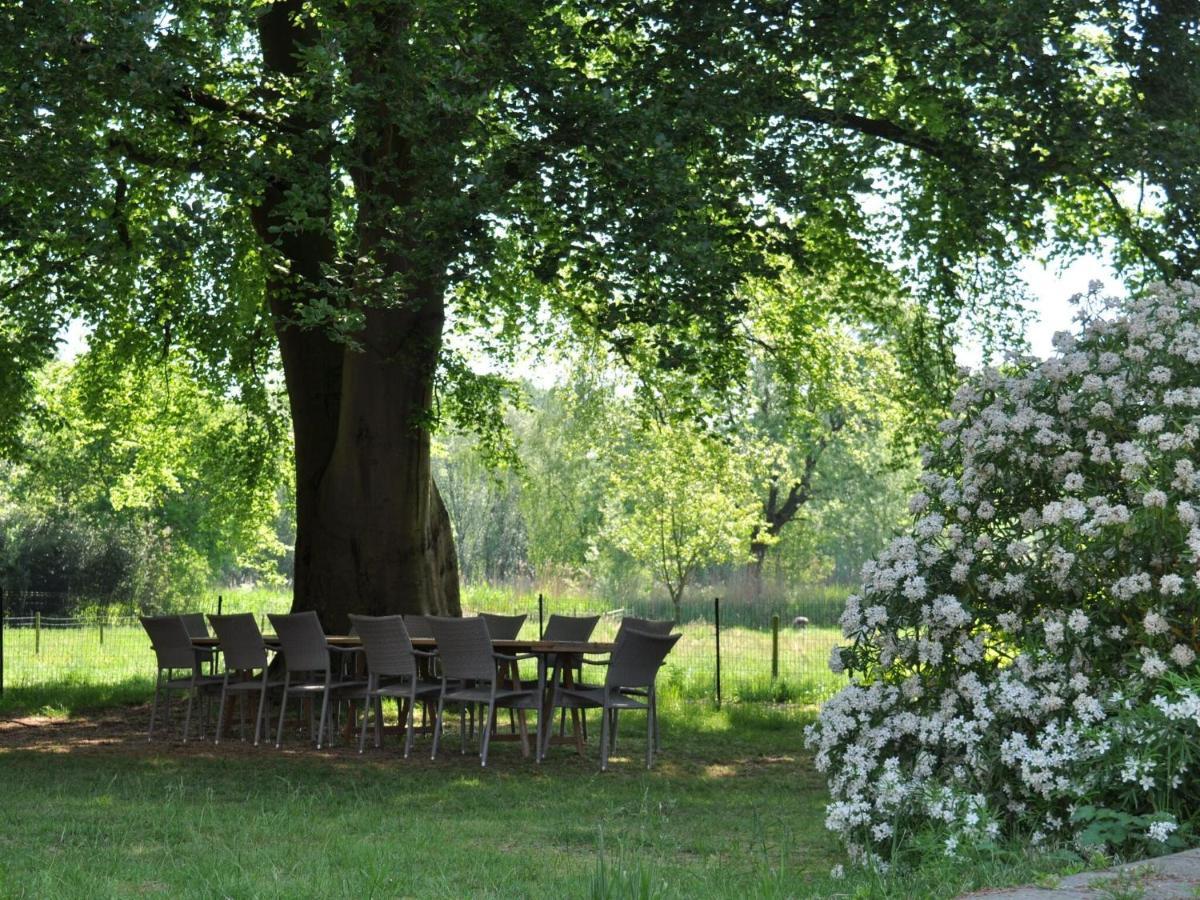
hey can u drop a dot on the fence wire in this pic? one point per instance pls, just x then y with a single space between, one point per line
766 654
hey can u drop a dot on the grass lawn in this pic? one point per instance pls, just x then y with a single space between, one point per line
733 808
90 809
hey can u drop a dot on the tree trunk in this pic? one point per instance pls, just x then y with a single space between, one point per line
372 533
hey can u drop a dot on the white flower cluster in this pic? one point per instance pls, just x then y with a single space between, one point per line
1054 562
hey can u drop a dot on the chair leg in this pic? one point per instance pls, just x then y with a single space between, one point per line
154 709
486 734
604 729
362 734
613 734
261 713
649 736
408 725
462 730
324 716
378 722
282 710
187 719
437 722
221 710
654 713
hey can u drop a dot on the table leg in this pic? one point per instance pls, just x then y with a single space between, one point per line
542 710
514 674
576 730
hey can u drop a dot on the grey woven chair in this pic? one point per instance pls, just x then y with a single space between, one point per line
243 653
392 671
569 628
418 626
503 628
308 668
646 626
466 656
196 628
173 652
632 672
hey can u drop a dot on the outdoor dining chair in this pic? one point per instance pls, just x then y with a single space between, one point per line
466 655
308 668
632 673
569 628
503 628
196 628
243 653
390 656
173 652
577 629
418 626
646 626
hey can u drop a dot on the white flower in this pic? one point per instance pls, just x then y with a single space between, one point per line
1078 621
1073 482
1160 831
1150 424
1170 585
1152 666
1154 499
1154 623
1183 655
836 666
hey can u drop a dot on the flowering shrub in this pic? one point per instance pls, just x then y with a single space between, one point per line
1019 661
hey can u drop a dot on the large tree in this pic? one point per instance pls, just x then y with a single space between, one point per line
335 181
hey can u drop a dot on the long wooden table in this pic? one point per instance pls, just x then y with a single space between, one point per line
566 658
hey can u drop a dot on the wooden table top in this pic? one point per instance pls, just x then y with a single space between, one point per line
520 645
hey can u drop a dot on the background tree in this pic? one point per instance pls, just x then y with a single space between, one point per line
333 181
821 380
112 500
680 501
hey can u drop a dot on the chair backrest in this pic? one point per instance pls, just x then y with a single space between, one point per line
171 642
302 640
418 626
648 626
503 628
637 658
194 623
385 641
569 628
464 648
241 642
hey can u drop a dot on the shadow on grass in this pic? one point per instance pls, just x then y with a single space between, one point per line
70 696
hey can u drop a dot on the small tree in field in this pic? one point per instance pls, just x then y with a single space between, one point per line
680 502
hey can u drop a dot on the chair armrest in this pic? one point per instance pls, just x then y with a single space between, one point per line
428 654
596 662
514 657
337 649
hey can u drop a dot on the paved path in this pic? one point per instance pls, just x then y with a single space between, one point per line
1177 875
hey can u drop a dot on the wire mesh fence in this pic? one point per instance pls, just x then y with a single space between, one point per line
738 651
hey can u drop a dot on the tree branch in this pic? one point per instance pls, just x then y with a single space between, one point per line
880 128
1164 266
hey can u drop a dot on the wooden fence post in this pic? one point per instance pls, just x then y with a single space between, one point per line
774 646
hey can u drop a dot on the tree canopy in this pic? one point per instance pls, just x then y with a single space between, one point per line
342 183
